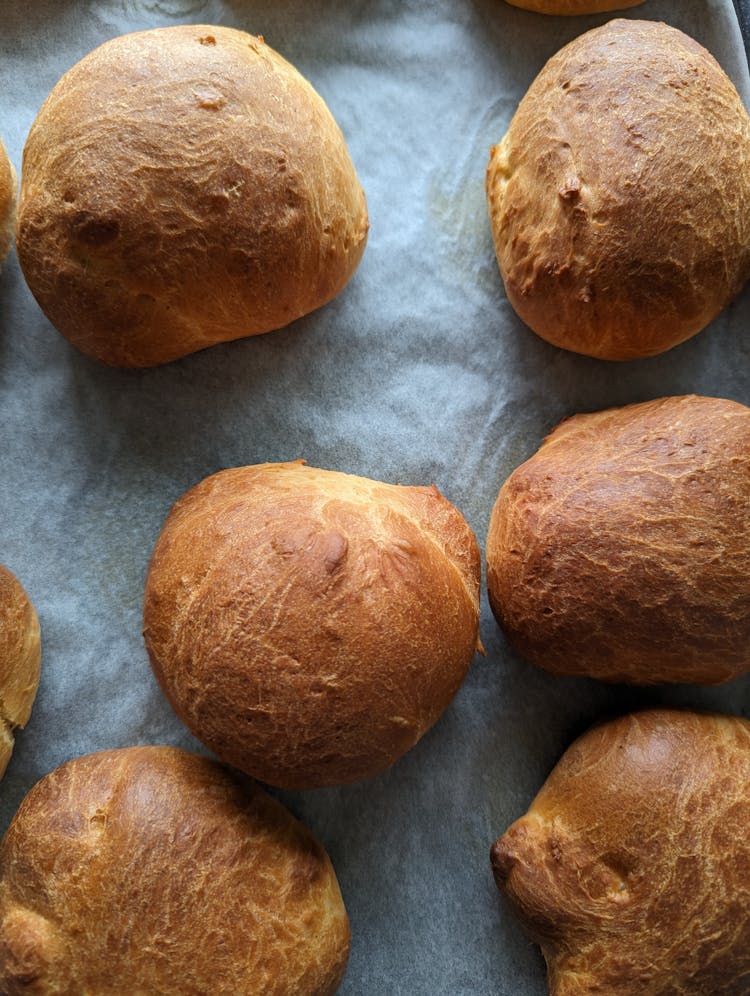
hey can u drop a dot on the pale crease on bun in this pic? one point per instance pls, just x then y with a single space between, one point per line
621 549
7 202
570 7
20 661
631 868
309 626
620 196
150 870
182 187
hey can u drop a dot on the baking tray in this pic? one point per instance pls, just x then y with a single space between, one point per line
418 373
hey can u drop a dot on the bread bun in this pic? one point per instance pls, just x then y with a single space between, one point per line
569 7
149 870
621 549
620 196
20 660
309 626
182 187
631 869
7 202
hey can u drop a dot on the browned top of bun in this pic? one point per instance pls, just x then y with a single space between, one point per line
309 626
566 7
621 549
620 196
181 187
632 866
20 659
150 870
7 202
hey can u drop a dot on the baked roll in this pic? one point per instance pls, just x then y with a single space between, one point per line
631 868
181 187
20 661
621 549
7 202
151 870
309 626
567 7
620 196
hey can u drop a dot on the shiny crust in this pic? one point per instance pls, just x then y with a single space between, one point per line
570 7
621 549
620 197
20 661
7 202
632 867
309 626
150 870
182 187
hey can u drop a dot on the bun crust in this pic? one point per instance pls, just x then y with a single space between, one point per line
20 661
632 867
570 7
181 187
149 870
309 626
620 196
7 202
621 549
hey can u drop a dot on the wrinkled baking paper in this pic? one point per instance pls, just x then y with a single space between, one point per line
418 373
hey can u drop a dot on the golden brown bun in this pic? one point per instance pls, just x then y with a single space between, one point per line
20 660
181 187
309 626
632 867
621 549
620 196
150 870
569 7
7 202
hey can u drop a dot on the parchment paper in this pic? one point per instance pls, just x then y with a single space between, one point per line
418 373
